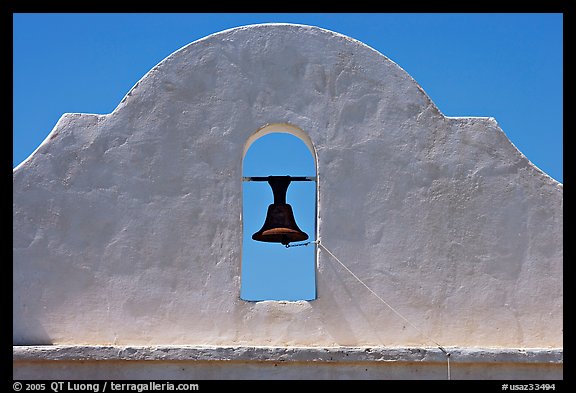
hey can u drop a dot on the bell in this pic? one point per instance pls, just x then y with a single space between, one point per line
280 225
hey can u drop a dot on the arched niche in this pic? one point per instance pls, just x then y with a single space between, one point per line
270 271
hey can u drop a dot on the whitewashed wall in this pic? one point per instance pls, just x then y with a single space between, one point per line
127 226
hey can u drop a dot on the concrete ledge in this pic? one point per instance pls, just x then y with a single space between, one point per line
48 353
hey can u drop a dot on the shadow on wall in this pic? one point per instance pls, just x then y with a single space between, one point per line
35 333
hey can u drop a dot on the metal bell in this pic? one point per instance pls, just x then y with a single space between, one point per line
280 225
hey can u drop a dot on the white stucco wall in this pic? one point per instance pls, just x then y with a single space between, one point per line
127 226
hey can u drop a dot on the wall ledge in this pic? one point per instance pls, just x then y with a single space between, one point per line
69 353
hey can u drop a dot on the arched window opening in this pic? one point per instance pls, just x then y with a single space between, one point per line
271 271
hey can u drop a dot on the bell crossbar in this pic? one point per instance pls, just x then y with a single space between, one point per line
266 178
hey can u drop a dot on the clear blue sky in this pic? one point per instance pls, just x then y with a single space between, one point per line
507 66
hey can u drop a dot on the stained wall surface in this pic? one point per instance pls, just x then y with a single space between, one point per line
277 370
127 226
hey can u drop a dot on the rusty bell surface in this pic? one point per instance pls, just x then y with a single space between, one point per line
280 225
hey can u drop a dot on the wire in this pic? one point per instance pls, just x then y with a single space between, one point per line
299 244
386 303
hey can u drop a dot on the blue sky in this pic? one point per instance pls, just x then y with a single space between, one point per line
507 66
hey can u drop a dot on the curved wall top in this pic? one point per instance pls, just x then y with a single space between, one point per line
127 226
